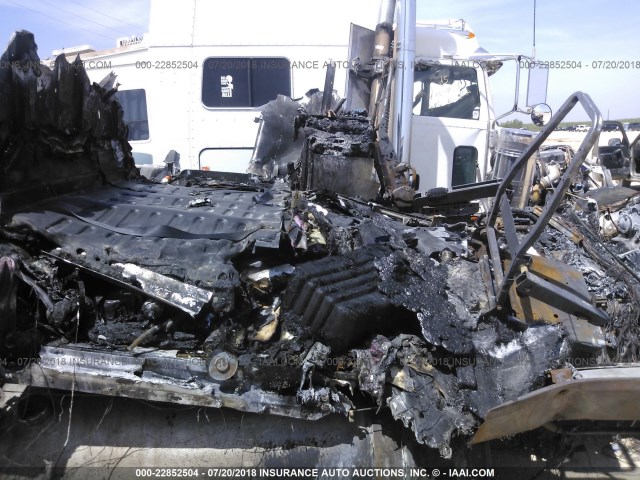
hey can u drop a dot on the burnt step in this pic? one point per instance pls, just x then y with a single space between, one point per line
338 297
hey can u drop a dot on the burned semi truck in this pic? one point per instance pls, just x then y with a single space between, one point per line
474 312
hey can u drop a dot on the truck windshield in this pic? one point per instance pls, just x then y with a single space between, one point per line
446 91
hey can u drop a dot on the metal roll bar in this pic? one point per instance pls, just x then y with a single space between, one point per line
501 206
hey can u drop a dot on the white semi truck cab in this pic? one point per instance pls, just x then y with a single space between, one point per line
430 99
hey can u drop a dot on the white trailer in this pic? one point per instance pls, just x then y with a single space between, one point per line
193 83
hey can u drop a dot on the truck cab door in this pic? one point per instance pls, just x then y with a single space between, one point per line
614 151
450 124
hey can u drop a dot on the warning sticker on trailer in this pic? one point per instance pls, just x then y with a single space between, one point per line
226 86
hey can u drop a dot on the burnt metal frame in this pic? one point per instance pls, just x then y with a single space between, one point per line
501 206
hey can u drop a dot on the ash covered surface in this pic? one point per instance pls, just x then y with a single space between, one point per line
427 399
414 281
508 365
294 303
346 135
58 132
611 276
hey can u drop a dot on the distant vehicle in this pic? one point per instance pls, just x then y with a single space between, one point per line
581 128
633 126
609 127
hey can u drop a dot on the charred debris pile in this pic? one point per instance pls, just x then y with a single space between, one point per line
226 290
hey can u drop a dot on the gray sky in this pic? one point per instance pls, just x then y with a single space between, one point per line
588 31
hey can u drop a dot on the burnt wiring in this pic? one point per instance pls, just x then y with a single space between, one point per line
73 391
628 328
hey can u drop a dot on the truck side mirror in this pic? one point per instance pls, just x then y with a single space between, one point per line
537 85
541 114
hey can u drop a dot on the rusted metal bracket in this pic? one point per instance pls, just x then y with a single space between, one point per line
566 300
